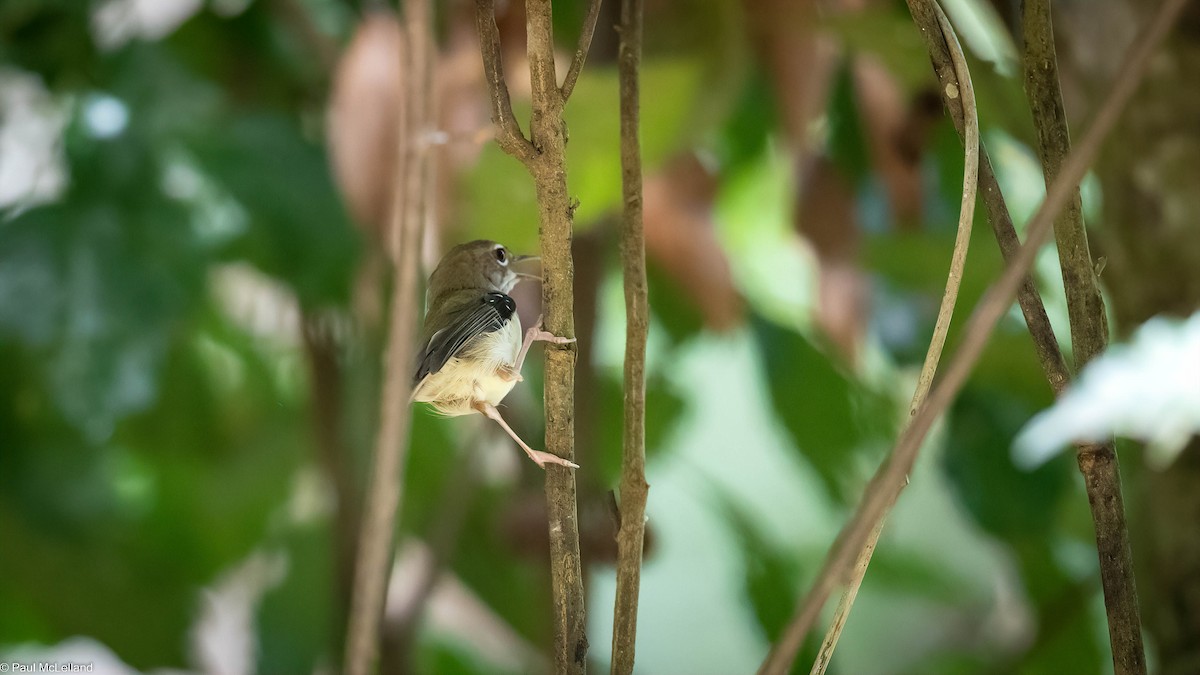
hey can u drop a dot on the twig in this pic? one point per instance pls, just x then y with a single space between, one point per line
634 488
546 160
509 136
958 260
1089 337
1032 308
581 51
889 479
386 483
1038 323
1085 307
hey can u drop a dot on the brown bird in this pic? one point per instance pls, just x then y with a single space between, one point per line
470 352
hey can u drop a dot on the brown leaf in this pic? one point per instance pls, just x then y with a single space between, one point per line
364 119
680 236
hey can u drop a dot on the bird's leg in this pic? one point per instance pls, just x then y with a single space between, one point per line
539 458
534 334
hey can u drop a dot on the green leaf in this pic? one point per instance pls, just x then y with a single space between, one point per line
294 619
663 405
771 576
1006 501
847 142
829 415
676 311
298 231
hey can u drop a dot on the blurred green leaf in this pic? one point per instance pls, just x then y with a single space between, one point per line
847 142
771 577
829 415
294 619
444 656
674 309
664 408
1006 501
748 128
299 231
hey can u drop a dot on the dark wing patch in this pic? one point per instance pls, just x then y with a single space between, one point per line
488 315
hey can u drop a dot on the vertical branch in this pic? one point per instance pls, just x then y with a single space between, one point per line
634 488
386 481
1089 337
1085 307
546 161
889 479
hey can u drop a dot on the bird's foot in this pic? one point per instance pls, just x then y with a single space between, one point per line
543 458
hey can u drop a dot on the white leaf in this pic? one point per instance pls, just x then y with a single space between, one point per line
1148 390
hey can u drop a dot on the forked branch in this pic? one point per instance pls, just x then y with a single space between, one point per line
544 155
1089 337
509 136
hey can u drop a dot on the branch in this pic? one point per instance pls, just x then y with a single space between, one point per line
634 488
581 51
547 166
1085 307
933 356
885 486
1089 337
386 483
509 136
1036 320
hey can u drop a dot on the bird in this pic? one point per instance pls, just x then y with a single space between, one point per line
470 349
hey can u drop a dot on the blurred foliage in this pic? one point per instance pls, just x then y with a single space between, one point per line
155 434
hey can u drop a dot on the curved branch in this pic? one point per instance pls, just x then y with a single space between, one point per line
581 51
890 478
933 356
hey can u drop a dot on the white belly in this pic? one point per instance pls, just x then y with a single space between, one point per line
483 372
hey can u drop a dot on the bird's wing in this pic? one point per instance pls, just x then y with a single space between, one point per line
458 327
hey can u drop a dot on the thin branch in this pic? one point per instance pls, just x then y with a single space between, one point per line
1089 337
634 489
890 478
386 482
1085 306
1036 320
508 131
958 261
547 166
581 51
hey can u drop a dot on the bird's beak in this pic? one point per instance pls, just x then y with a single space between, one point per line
527 266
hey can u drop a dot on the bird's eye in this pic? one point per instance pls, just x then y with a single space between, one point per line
501 256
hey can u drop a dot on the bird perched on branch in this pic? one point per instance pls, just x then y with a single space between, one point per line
470 351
